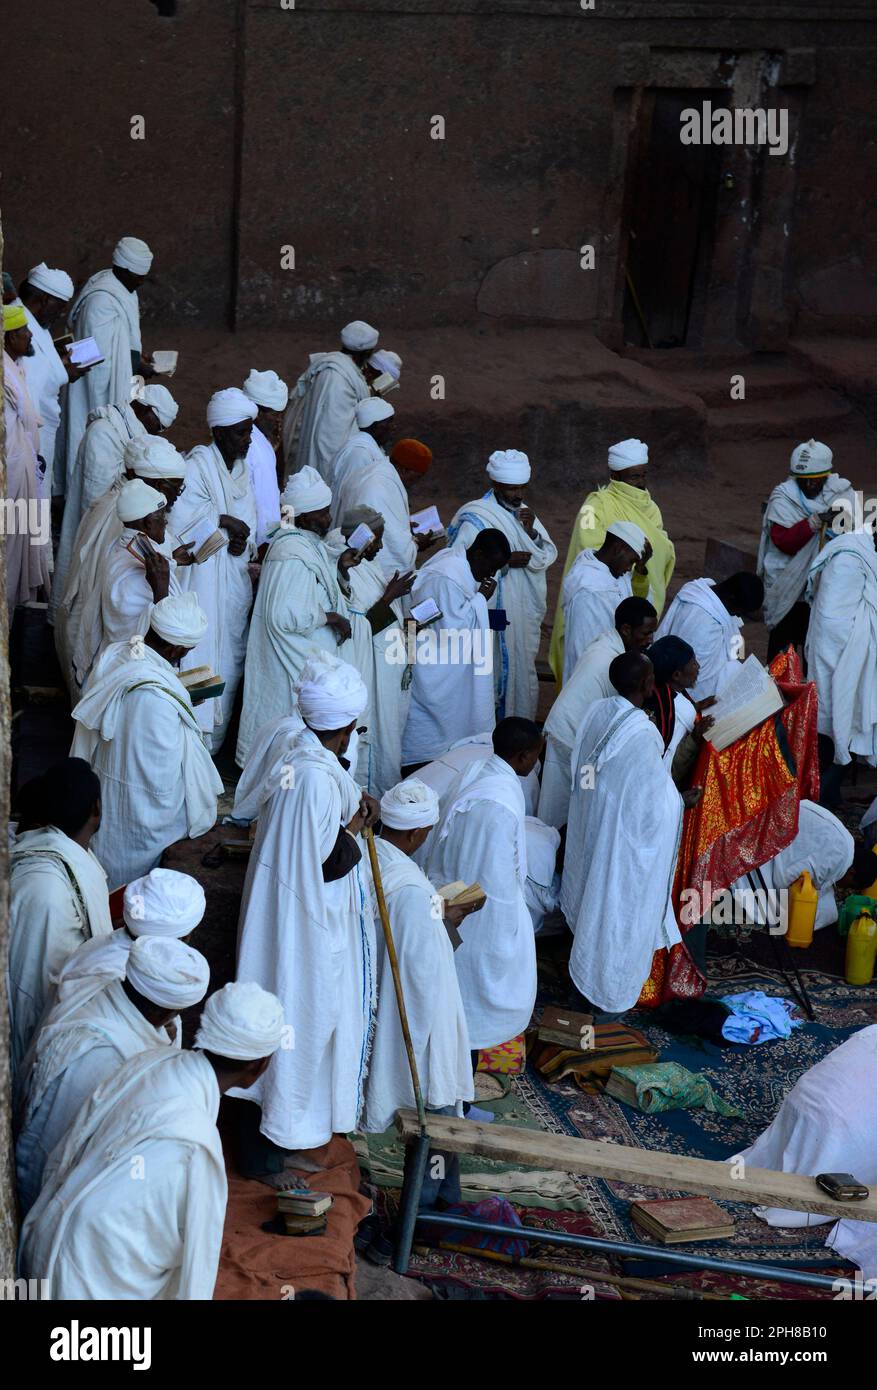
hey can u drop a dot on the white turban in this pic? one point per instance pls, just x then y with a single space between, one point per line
54 282
630 453
266 388
508 466
162 402
167 972
359 336
133 254
137 499
163 903
150 456
629 533
242 1021
811 459
385 361
368 412
331 694
179 619
230 407
410 805
305 491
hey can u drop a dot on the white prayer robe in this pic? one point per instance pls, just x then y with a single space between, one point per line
452 685
312 944
622 841
262 465
106 311
482 837
375 482
827 1124
841 646
703 621
432 1000
98 531
588 682
590 595
823 847
92 966
297 588
542 889
71 1059
785 576
522 593
120 604
136 726
97 1235
46 375
327 395
222 583
27 559
379 754
58 899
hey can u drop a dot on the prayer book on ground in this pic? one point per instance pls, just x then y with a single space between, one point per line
165 363
674 1220
204 539
84 352
422 523
566 1028
302 1201
750 697
460 894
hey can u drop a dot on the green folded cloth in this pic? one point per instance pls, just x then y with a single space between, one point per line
658 1086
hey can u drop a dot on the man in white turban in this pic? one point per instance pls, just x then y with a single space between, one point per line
382 372
365 474
43 295
796 523
97 1235
306 929
77 1051
106 309
519 602
625 497
270 395
154 461
219 498
320 414
373 425
597 582
299 606
709 617
28 542
136 726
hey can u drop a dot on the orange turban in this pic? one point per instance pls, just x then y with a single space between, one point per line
411 454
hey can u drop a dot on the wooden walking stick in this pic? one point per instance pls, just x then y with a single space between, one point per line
413 1180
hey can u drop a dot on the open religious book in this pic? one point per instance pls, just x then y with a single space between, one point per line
426 522
165 362
205 541
459 893
750 697
202 683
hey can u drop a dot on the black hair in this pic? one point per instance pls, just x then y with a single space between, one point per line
633 612
669 654
493 544
515 735
744 589
627 672
64 796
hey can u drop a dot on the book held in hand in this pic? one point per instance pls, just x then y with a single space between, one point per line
427 611
462 894
202 683
84 352
204 539
750 697
426 521
360 538
675 1220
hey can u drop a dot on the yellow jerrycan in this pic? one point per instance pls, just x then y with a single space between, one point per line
861 950
803 901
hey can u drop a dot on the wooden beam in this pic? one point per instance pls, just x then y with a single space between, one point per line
621 1163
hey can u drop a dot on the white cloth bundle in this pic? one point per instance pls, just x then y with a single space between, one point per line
331 693
167 972
370 411
241 1020
163 902
410 805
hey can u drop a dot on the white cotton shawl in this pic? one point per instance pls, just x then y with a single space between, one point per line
785 576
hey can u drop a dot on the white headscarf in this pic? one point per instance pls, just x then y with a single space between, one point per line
267 389
810 460
305 492
132 254
385 361
54 282
331 693
410 805
230 407
243 1021
163 902
359 336
179 619
162 402
167 972
630 533
508 466
150 456
630 453
137 499
369 411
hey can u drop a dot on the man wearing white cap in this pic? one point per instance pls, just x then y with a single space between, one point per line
154 461
624 498
598 581
299 606
306 929
794 528
106 309
136 726
320 414
44 294
520 599
709 617
382 372
365 446
76 1053
365 474
270 395
133 1200
28 543
136 571
219 498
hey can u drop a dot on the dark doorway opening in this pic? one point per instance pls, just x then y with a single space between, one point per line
670 223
